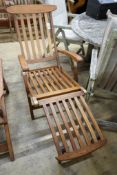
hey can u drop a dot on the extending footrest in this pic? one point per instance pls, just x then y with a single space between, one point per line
74 129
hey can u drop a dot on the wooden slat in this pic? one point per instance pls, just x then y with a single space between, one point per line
44 80
39 82
50 81
80 122
64 77
60 80
25 37
54 40
54 93
92 118
34 83
54 79
32 93
86 120
52 130
19 35
67 127
31 37
74 125
59 127
71 79
62 97
42 34
48 32
37 35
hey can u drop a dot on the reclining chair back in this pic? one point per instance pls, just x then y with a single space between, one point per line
35 32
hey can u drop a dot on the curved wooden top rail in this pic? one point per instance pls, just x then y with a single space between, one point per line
28 9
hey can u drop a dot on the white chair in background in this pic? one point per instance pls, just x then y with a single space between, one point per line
63 30
104 65
103 69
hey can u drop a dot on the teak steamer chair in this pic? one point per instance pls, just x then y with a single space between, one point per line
74 129
5 147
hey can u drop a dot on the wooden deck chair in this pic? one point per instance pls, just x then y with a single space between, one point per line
73 127
7 146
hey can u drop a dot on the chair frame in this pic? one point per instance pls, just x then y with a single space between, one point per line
61 87
7 146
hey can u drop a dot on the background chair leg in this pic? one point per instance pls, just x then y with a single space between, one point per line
90 88
9 144
31 109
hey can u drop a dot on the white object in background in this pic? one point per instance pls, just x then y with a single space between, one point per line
93 64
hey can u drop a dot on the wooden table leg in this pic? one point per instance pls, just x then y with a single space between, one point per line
89 51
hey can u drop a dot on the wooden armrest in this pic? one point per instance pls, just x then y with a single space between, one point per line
72 55
23 63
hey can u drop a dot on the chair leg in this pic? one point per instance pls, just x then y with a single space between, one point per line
75 70
31 109
5 86
8 140
81 50
29 100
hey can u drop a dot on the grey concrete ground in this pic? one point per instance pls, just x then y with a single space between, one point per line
34 155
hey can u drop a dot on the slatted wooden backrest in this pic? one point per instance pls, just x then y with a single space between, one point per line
34 28
18 2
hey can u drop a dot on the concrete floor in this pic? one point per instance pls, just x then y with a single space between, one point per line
34 155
